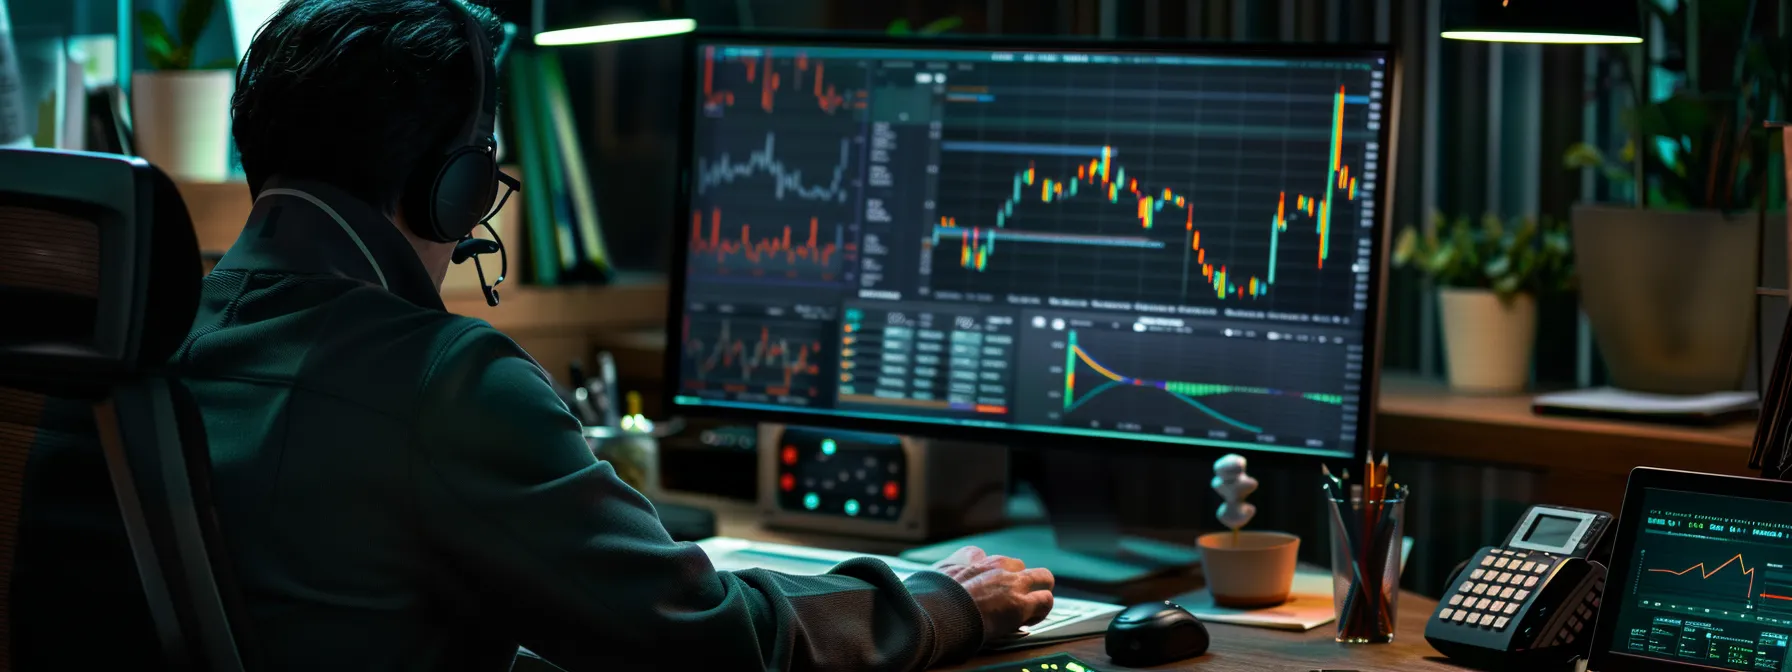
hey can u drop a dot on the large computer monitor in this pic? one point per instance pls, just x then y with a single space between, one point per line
1097 245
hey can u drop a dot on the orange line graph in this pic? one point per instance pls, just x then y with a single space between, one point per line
1772 596
758 252
1741 566
770 81
768 351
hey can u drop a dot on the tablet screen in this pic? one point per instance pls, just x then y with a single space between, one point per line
1709 582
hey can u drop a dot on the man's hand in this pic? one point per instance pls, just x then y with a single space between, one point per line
1007 593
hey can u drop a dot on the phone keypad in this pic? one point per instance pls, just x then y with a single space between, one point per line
1497 586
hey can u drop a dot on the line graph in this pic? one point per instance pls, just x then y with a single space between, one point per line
781 254
752 356
1706 583
1103 179
1748 593
1186 392
725 170
767 74
1099 374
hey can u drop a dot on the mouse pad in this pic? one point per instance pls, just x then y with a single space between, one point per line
1058 663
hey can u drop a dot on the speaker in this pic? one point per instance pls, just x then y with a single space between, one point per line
879 485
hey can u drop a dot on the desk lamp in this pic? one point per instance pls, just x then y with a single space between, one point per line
1543 22
559 24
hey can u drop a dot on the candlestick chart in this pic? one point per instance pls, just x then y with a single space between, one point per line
1085 220
745 356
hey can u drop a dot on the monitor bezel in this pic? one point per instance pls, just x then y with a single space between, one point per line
1010 435
1643 479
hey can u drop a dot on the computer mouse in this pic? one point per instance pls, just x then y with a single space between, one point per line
1154 633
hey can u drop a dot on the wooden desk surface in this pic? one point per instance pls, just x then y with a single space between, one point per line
1235 648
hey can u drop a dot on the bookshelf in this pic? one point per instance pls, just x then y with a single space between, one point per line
554 324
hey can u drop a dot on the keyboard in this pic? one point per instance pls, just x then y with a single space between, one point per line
1069 619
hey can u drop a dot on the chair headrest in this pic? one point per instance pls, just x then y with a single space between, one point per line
99 270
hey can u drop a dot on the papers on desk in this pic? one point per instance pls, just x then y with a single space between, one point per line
1625 404
1309 606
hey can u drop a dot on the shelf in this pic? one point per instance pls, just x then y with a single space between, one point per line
1425 418
632 303
218 209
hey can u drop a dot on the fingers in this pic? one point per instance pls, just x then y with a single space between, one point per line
968 555
1005 563
1039 578
1037 606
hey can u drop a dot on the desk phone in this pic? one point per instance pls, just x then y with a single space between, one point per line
1532 597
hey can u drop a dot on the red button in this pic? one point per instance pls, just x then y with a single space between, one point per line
891 490
790 455
787 482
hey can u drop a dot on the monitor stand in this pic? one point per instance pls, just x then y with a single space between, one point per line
1082 542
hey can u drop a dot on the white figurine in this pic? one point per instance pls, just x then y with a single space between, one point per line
1234 486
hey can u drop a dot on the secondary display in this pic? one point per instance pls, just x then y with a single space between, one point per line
1173 247
1712 583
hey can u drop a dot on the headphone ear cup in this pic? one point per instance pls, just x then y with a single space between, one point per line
463 193
418 202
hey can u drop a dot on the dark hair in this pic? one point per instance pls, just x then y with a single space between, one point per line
356 92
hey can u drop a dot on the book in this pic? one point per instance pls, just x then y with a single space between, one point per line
538 213
593 257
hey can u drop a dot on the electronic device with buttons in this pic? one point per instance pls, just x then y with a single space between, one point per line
878 485
1531 600
1701 575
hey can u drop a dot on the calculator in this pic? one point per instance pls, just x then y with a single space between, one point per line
1535 596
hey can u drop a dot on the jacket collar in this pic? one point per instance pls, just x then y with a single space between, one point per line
310 227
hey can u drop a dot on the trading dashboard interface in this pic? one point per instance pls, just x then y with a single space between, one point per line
1143 245
1711 582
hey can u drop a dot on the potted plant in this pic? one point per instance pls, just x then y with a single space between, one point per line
181 113
1488 277
1668 284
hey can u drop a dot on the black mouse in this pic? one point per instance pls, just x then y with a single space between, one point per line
1155 633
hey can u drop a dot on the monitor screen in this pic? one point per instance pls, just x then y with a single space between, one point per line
1175 247
1710 582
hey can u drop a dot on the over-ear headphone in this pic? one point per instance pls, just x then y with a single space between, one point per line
450 193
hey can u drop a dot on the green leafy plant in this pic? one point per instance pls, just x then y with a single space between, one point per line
1703 145
174 50
1524 256
936 27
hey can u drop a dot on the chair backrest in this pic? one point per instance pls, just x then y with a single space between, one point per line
99 283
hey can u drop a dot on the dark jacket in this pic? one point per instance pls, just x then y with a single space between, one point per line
401 488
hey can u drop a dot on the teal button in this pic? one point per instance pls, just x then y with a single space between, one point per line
852 507
812 501
828 447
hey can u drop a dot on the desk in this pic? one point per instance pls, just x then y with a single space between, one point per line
1235 648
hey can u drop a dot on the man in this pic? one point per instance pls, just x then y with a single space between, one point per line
400 487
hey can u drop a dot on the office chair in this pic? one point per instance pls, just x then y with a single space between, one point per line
99 283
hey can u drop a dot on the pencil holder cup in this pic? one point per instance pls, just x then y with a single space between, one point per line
1366 567
1249 570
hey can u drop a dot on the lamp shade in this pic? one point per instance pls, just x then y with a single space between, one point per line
1543 21
568 22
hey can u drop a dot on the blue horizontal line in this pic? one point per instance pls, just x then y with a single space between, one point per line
970 98
1023 148
1322 99
1008 236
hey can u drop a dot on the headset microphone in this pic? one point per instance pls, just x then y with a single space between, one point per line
451 196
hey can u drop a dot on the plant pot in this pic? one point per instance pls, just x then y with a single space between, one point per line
1487 342
1670 295
181 121
1249 570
